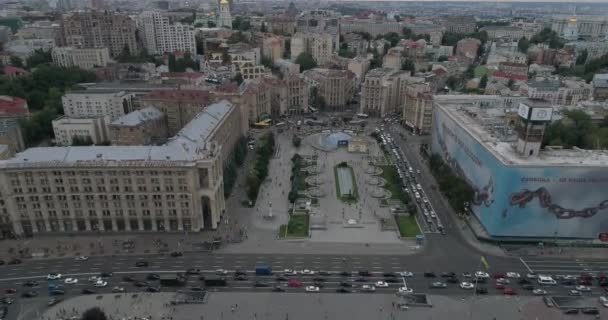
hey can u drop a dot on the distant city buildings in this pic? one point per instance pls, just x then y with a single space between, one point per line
318 45
147 126
383 91
97 103
160 36
12 110
337 87
69 130
114 31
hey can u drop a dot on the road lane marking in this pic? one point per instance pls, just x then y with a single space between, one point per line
525 264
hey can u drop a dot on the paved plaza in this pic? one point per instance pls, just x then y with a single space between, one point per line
296 306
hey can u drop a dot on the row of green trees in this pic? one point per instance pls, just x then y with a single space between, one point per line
230 171
297 177
454 188
259 170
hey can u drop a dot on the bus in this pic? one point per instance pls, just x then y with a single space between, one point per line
362 115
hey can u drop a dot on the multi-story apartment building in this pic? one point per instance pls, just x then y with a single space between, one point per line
174 187
88 58
600 87
67 129
393 58
359 66
337 87
273 47
287 67
383 91
372 26
495 32
256 99
318 45
356 43
180 106
322 22
97 103
147 126
460 24
160 36
284 25
565 92
98 30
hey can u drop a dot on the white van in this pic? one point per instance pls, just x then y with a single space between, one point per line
546 281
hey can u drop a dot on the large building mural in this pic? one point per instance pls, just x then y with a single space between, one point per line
525 201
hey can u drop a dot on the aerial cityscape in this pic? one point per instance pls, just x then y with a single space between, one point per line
282 159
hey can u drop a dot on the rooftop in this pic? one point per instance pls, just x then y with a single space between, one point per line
10 106
487 125
177 96
188 145
600 80
138 117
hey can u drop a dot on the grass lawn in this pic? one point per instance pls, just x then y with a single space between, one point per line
297 227
355 195
408 228
390 174
480 71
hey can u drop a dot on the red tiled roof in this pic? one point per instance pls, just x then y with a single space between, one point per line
10 70
178 96
500 74
13 106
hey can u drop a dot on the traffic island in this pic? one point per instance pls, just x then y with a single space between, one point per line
296 228
346 186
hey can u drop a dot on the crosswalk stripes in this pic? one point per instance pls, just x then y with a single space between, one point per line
574 266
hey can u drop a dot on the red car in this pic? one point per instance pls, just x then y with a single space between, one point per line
294 283
509 291
499 275
500 286
10 291
585 282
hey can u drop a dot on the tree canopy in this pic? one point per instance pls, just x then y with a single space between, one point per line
39 57
306 61
523 44
576 130
451 39
408 65
548 36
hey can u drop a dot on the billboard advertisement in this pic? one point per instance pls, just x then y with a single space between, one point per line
525 201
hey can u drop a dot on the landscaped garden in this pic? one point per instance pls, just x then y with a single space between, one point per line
297 227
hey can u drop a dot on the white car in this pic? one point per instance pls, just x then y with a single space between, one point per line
221 272
513 275
531 275
81 258
312 289
466 285
289 272
118 289
308 272
53 276
94 279
405 290
481 274
502 281
539 292
71 281
583 288
604 301
368 288
569 277
381 284
405 274
101 284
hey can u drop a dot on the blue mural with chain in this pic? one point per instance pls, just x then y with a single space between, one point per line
525 201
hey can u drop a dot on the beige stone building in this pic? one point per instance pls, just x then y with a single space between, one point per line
97 103
175 187
147 126
359 66
180 106
273 47
337 87
67 129
81 58
297 93
256 99
318 45
384 91
98 30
